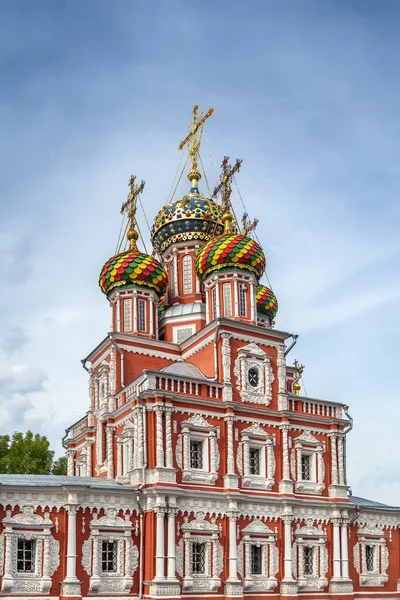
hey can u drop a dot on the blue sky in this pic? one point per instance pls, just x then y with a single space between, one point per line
306 93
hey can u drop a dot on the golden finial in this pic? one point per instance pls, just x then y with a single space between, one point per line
129 206
247 225
297 388
194 137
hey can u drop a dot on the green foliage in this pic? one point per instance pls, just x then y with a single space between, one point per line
29 454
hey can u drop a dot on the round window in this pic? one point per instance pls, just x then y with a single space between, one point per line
254 377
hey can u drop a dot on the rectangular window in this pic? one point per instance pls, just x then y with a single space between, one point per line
242 300
254 458
196 454
227 299
214 302
306 467
109 557
308 560
256 560
26 556
187 274
183 334
142 315
128 314
198 558
369 557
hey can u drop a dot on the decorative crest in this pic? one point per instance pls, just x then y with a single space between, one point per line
129 207
299 371
194 137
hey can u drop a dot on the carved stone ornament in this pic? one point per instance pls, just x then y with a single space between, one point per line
258 527
29 526
197 421
306 438
372 535
258 533
253 358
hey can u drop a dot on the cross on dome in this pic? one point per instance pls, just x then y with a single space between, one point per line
193 140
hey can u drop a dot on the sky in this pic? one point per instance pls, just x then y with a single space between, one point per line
306 92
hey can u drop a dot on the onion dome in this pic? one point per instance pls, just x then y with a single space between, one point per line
193 217
161 307
133 268
230 250
267 304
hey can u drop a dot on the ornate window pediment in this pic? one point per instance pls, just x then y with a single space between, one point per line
31 572
199 555
307 464
310 557
255 458
254 377
109 556
258 557
371 556
197 452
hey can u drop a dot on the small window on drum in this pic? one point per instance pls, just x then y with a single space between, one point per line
253 377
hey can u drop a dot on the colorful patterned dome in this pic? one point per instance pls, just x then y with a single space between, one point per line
267 304
230 250
133 268
193 217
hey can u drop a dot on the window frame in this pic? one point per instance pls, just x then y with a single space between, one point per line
227 298
114 559
214 303
187 275
142 316
33 551
128 320
242 292
203 547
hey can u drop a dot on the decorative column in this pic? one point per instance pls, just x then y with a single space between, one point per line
139 447
270 459
71 456
213 451
151 316
110 451
340 444
288 585
344 549
118 311
233 566
71 585
285 485
281 368
168 438
252 301
159 437
230 479
236 294
320 465
334 475
135 311
160 558
175 277
171 552
120 458
218 305
226 367
336 548
246 455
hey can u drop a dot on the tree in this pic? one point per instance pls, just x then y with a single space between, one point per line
29 454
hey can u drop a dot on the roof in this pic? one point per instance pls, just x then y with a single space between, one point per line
184 369
177 310
60 481
365 503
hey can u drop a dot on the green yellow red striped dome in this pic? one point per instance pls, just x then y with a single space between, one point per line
267 304
230 250
133 268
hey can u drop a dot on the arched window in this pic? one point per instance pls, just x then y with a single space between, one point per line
187 274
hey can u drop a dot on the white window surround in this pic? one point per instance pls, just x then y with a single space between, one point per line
255 437
242 300
371 535
253 357
307 444
259 534
197 428
127 314
110 528
142 315
313 537
199 530
214 312
187 271
186 330
29 526
227 298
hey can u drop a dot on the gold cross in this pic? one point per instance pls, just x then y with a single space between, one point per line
194 137
129 206
225 181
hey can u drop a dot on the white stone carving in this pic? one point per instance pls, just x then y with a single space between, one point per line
252 356
371 534
257 526
197 421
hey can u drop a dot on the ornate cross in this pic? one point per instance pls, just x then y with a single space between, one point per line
194 137
248 225
225 181
129 206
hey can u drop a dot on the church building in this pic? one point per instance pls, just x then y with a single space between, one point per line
199 469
